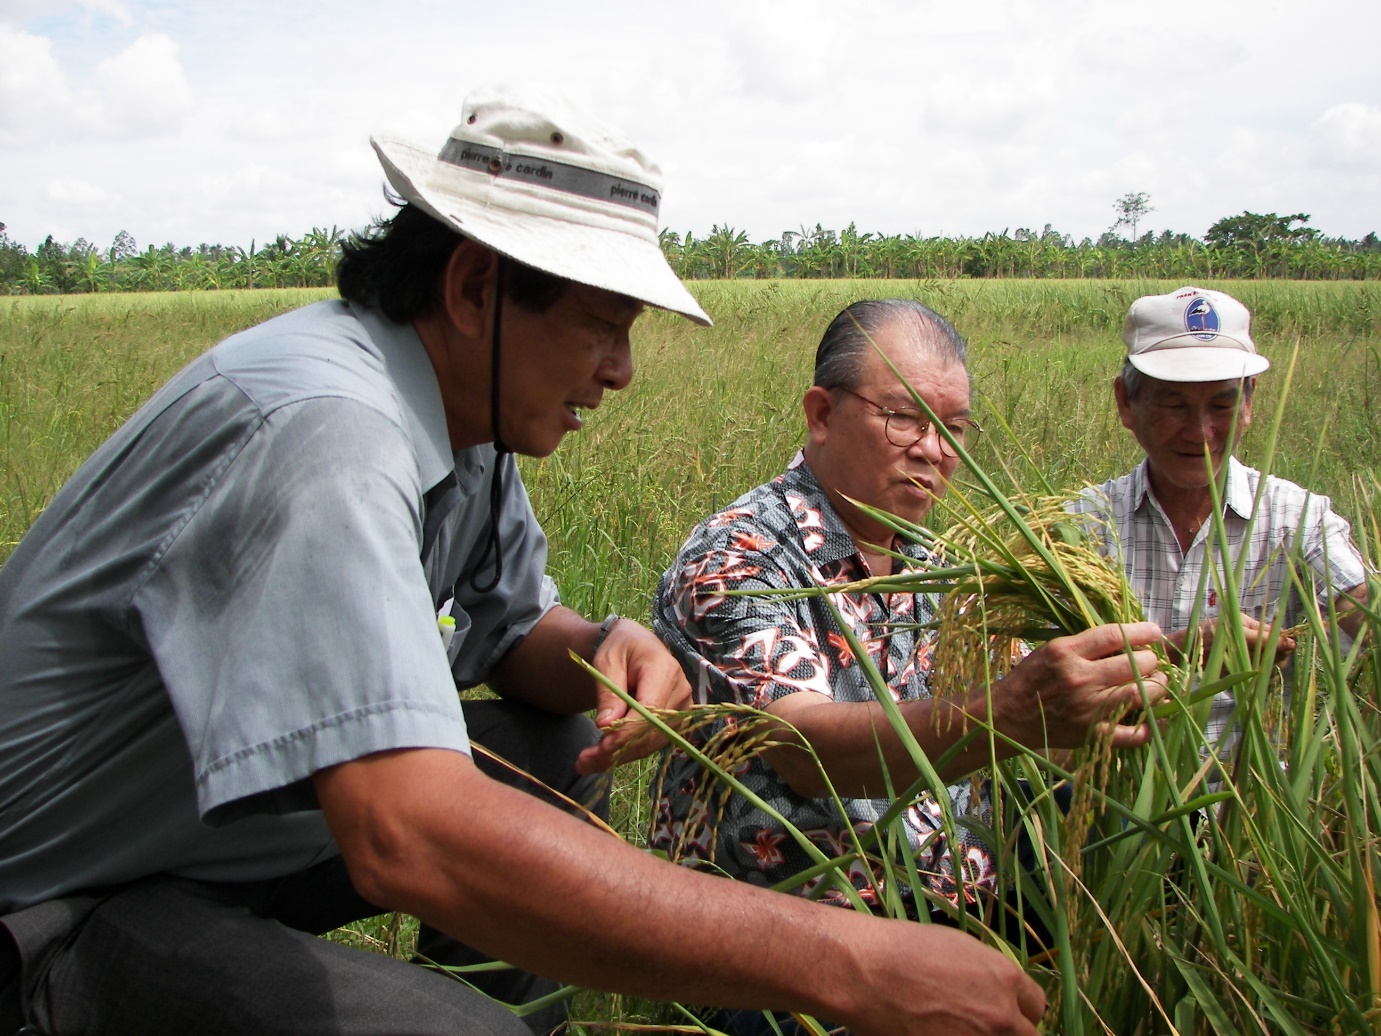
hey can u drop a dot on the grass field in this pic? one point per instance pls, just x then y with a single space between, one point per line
713 412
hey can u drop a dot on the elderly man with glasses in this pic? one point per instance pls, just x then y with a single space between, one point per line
1185 393
867 445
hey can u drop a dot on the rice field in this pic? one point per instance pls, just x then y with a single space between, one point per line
1268 921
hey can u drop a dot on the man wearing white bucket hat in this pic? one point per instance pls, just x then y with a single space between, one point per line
228 720
1185 393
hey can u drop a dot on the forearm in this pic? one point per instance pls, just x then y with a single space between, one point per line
855 743
1053 699
424 831
528 885
1350 607
539 669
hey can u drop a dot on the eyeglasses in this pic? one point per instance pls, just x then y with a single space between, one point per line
905 428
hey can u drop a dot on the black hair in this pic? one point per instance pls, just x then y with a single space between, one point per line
395 265
839 357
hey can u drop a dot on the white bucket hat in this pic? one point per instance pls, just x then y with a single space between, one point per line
534 178
1192 334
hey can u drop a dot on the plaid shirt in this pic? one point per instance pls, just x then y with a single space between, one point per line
1172 583
752 650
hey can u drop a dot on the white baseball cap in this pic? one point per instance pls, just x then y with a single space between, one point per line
536 179
1192 334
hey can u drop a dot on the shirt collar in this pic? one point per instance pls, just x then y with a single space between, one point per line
1237 497
1239 491
410 370
839 544
1141 484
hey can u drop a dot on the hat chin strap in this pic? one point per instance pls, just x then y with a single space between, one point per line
492 544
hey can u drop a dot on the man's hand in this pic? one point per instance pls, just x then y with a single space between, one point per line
539 671
1254 632
1074 686
633 658
950 984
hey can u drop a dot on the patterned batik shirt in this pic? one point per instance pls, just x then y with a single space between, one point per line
1172 583
752 650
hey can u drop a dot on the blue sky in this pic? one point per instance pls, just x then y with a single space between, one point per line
238 120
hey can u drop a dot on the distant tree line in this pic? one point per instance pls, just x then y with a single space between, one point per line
1251 245
55 268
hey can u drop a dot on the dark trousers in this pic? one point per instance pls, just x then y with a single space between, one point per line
172 956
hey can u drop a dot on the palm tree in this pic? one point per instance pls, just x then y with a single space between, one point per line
727 248
33 278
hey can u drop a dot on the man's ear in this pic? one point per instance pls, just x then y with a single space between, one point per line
1244 410
818 405
468 287
1124 403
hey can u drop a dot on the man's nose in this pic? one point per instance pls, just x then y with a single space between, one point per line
930 445
616 370
1201 426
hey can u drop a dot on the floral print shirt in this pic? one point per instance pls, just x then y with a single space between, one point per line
752 650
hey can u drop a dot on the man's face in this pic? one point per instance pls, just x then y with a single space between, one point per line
849 451
1175 421
558 362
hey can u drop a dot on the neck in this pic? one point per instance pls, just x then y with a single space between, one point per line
467 412
1187 509
867 535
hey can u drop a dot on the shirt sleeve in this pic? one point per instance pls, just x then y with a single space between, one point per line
1330 552
290 617
750 650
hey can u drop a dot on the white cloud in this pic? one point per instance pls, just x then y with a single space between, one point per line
139 91
111 9
1348 135
81 194
143 88
33 88
247 184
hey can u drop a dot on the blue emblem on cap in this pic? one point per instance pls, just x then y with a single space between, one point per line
1201 319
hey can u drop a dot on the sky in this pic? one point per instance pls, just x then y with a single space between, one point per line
238 120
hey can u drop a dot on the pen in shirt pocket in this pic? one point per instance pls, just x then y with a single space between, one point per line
446 623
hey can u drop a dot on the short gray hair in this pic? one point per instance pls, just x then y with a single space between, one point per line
1133 380
839 357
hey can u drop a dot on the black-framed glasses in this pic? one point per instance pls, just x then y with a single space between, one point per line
905 428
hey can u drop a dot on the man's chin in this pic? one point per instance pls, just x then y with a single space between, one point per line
536 446
1190 475
540 451
911 504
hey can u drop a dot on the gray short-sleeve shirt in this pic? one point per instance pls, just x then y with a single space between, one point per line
238 589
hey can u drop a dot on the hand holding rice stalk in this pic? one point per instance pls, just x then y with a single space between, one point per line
1036 574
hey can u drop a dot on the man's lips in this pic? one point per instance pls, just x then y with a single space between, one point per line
920 483
574 408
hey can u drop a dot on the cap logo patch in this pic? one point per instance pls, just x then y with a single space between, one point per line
1201 319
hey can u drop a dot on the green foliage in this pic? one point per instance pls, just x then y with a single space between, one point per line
818 253
1246 246
58 269
73 369
1253 230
